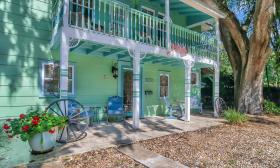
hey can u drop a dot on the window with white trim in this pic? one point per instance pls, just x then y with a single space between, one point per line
148 10
51 79
164 85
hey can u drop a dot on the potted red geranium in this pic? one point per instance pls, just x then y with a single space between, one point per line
37 127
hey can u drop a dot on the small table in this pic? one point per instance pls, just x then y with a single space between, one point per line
94 113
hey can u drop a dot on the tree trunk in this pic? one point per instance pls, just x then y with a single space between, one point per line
248 56
250 91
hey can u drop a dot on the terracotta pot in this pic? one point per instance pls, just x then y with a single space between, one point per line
43 142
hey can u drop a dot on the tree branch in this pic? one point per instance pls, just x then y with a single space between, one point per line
230 47
262 27
237 33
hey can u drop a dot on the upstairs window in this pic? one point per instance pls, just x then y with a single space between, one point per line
148 10
164 85
51 79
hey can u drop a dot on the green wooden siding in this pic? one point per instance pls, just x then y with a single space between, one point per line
24 38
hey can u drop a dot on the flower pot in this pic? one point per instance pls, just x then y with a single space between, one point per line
43 142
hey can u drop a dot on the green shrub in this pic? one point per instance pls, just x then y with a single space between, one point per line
235 117
271 108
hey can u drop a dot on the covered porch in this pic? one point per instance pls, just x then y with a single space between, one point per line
157 77
132 55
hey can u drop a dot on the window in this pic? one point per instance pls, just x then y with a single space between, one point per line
161 15
194 78
164 85
51 77
148 10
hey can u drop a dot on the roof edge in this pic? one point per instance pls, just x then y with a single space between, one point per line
204 8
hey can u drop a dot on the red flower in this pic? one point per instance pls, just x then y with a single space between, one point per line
6 127
35 122
51 131
25 128
36 118
21 116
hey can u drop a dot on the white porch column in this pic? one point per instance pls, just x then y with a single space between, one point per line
136 88
188 73
216 86
64 52
167 20
217 69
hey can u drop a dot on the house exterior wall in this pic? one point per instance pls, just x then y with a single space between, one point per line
25 32
153 104
24 38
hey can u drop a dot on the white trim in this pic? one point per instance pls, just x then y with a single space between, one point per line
160 14
200 23
203 8
168 91
46 94
113 41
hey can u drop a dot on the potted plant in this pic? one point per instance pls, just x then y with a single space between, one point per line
37 127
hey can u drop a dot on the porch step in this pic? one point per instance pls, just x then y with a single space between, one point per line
149 158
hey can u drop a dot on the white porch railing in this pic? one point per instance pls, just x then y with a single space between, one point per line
118 19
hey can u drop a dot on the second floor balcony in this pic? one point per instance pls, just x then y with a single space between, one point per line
121 20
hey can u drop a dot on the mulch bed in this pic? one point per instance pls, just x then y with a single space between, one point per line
106 158
253 144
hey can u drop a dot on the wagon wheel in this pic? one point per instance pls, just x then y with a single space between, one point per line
78 119
220 106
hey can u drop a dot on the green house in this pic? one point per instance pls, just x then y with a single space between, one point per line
145 51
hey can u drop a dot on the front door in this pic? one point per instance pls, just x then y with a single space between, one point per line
128 90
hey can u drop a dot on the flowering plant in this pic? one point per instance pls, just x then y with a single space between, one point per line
32 123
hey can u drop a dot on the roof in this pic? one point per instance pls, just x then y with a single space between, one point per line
206 6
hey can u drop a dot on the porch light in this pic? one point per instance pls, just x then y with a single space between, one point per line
115 70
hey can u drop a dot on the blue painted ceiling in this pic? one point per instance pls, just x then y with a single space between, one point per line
193 15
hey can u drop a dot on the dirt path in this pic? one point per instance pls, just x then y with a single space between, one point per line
254 144
105 158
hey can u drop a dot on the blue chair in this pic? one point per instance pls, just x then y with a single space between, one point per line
115 107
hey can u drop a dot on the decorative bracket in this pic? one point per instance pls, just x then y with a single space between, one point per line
131 53
189 63
73 42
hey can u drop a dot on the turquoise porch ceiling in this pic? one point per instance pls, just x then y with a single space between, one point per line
193 15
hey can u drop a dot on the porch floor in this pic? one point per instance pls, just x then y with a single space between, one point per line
114 134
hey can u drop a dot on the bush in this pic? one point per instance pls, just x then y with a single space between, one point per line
235 117
271 108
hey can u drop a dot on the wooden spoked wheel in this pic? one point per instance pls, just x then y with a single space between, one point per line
78 119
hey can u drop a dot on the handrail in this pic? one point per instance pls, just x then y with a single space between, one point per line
195 43
118 19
